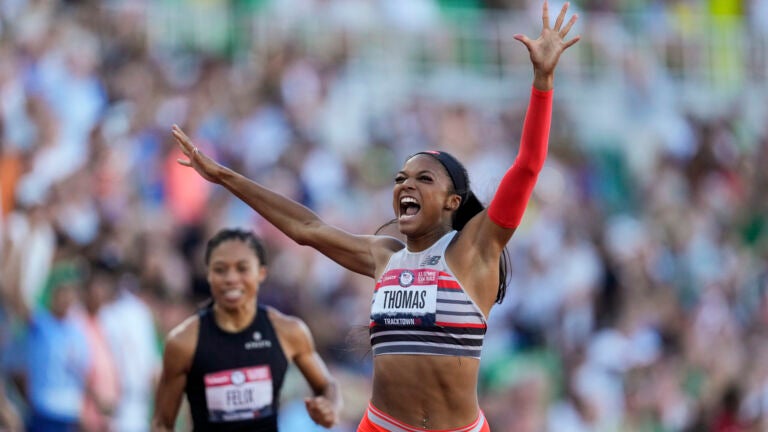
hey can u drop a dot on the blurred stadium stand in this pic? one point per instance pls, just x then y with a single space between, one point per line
639 294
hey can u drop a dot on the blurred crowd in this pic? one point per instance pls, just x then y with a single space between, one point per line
638 298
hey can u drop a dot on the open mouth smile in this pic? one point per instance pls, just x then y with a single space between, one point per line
409 207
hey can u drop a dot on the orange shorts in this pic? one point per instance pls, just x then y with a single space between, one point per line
376 421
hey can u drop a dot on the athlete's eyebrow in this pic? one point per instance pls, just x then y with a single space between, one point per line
424 171
236 262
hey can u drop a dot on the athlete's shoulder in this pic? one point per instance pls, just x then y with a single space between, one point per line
190 325
293 332
284 322
182 339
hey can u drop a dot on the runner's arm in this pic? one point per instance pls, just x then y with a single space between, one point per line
325 406
177 360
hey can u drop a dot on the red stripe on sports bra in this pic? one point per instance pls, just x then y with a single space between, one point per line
471 325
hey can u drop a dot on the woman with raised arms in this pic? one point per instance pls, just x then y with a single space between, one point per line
434 292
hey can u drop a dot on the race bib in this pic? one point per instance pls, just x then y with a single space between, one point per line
239 394
407 298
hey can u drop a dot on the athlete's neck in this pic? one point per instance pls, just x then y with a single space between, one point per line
234 320
424 241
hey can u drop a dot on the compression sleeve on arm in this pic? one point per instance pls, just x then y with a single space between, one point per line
511 198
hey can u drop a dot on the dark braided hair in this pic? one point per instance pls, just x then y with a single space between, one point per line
245 236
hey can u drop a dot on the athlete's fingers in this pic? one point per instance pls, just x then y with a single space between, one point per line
524 40
327 420
185 144
320 411
177 132
182 146
571 42
323 409
315 404
183 140
545 14
568 26
560 17
321 406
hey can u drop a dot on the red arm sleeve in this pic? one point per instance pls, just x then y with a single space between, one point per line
509 203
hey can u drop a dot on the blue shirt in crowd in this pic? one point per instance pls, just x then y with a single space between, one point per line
56 366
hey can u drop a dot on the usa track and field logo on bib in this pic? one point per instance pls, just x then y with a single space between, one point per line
406 278
406 298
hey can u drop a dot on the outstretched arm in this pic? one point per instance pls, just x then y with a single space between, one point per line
509 203
484 237
358 253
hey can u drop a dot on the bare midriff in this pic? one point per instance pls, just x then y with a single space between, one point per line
429 392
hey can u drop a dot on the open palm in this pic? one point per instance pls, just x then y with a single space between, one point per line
546 49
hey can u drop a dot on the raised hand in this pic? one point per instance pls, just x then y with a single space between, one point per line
322 411
546 49
205 166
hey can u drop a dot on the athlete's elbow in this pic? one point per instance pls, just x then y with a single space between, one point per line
302 238
306 234
528 171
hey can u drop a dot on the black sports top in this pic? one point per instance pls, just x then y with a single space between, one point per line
235 379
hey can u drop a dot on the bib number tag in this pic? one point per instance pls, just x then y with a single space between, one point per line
239 394
409 300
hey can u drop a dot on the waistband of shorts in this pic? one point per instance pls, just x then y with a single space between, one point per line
379 418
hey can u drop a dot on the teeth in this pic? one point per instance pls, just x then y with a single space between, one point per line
233 294
408 200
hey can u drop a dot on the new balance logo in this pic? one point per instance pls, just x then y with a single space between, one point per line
430 261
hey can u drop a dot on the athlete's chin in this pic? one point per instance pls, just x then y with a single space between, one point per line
406 229
407 225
